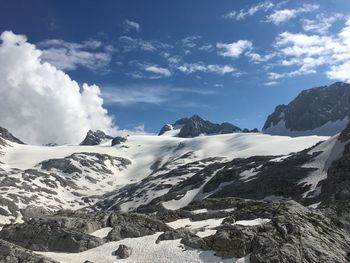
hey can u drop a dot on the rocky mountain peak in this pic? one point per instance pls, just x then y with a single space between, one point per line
95 137
318 111
195 125
5 134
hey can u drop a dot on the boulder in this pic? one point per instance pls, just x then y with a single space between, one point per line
123 251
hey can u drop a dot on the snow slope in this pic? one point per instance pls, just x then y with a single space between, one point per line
145 250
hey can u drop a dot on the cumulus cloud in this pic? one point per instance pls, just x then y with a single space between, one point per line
234 49
69 56
283 15
309 52
42 104
131 25
243 13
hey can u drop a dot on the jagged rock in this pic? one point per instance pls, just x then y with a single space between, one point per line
10 253
6 135
130 225
34 212
294 234
195 125
175 234
165 128
123 251
95 138
118 140
59 234
310 110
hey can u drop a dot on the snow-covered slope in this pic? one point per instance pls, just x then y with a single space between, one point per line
72 176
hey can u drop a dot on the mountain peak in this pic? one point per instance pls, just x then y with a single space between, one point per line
5 134
317 111
195 126
95 137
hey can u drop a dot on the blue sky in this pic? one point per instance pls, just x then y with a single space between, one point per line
158 61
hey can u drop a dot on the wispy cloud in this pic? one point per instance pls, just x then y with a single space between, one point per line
131 25
252 10
158 70
189 68
321 24
155 94
283 15
65 55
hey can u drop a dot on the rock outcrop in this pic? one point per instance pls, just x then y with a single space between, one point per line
95 138
195 126
317 111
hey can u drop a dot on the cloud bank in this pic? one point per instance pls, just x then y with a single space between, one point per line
42 104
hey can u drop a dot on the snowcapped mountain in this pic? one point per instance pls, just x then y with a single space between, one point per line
320 111
228 196
195 126
95 138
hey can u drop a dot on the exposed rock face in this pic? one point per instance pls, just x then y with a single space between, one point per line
95 138
49 234
6 135
165 128
195 125
131 225
118 140
78 162
123 251
320 111
10 253
294 234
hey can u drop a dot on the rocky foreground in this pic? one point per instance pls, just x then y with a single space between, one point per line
261 231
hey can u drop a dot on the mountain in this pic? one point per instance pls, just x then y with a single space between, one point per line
320 111
6 135
244 197
195 126
95 138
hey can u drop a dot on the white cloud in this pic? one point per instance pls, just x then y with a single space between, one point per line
40 103
189 68
189 42
126 96
234 49
128 44
69 56
283 15
321 24
309 52
131 25
158 70
243 13
136 94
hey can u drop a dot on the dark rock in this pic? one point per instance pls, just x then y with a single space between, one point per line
311 109
34 212
123 251
95 138
5 134
165 128
118 140
175 234
10 253
59 234
195 125
130 225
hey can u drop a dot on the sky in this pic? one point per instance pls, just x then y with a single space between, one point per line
135 65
